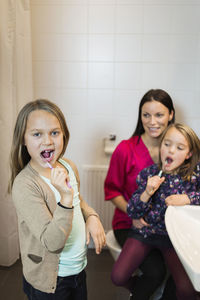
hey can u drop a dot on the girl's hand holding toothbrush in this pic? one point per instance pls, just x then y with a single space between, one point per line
60 180
153 183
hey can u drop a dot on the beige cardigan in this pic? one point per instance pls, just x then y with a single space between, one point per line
44 227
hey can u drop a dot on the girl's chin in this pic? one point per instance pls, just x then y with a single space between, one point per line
169 170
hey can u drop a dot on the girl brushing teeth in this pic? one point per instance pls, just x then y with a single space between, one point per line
54 221
179 161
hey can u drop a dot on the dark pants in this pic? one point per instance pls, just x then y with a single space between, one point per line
153 270
68 288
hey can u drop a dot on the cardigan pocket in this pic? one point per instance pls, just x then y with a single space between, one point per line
35 258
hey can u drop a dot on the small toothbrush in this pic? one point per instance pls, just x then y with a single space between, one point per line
161 171
50 167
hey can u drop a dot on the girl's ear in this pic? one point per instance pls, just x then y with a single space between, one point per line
189 155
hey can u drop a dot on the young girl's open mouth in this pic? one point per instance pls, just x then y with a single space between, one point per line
168 160
47 155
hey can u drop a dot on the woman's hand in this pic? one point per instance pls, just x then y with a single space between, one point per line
95 229
139 223
177 200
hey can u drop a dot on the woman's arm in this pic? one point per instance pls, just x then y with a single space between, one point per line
120 203
114 183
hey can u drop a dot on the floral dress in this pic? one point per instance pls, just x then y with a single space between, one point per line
154 210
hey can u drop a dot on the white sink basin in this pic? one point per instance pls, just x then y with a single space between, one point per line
183 227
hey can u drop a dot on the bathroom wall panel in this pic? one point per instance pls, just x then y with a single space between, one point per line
73 74
74 19
129 18
158 19
101 75
46 73
96 59
128 75
47 47
128 48
74 47
101 19
101 47
156 48
100 102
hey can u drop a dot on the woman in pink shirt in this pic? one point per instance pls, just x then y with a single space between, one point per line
156 112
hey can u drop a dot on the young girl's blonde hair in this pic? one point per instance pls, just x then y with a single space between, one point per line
19 156
187 169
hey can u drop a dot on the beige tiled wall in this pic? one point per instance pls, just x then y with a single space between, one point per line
96 58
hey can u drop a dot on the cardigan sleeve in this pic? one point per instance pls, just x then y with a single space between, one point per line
50 227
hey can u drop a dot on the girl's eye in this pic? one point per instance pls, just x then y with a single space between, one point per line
166 144
180 148
54 133
36 134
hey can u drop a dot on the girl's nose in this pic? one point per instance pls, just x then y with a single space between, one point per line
47 139
171 149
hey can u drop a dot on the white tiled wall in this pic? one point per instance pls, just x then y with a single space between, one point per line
96 58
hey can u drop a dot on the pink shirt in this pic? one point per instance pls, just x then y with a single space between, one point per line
128 159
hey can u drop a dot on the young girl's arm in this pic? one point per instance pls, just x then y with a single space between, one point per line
191 197
140 202
59 179
137 208
93 223
38 213
93 226
177 200
153 183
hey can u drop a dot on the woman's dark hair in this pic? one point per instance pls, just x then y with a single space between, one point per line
156 95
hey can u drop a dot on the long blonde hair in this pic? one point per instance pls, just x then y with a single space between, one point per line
187 169
19 156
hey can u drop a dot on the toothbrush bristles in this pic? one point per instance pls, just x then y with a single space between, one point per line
160 173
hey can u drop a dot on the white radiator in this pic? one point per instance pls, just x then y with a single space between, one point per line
92 189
